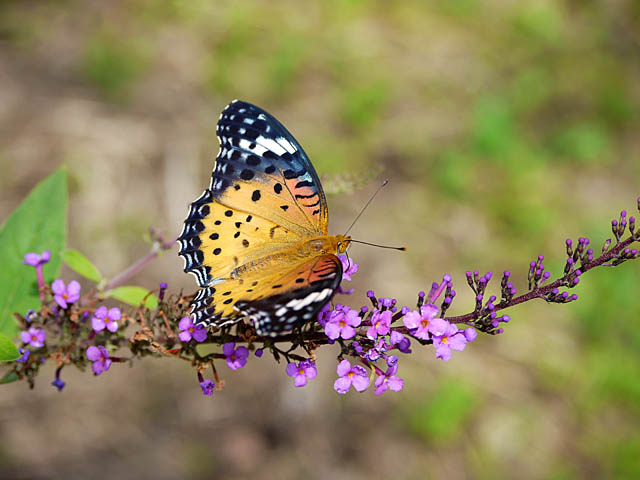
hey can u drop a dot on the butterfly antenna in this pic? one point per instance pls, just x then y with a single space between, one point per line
402 249
366 205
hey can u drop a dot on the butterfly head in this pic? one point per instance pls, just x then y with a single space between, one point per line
342 243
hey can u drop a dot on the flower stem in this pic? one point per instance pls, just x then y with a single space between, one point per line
140 264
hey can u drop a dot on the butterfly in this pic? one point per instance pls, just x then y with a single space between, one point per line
257 239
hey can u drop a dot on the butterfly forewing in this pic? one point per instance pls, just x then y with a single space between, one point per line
262 169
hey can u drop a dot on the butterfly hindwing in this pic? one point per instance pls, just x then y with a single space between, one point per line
308 288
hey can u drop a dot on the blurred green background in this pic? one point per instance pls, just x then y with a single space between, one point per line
505 127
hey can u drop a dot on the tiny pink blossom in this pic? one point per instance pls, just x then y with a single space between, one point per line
187 330
103 318
451 339
388 380
419 322
34 337
36 260
100 358
380 322
342 323
236 357
64 295
348 376
301 372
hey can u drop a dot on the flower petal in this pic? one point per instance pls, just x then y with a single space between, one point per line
360 383
97 324
342 385
395 383
185 323
74 287
200 333
292 369
93 353
412 319
344 367
299 381
58 287
228 348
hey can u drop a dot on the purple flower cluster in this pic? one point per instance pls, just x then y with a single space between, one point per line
374 337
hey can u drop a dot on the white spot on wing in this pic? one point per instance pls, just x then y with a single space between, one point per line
271 144
286 145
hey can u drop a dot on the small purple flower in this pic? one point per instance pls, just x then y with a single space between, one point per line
356 376
104 318
389 380
34 337
418 322
64 295
25 355
341 323
380 322
399 341
36 260
301 372
187 331
59 384
100 358
207 387
236 357
451 339
348 267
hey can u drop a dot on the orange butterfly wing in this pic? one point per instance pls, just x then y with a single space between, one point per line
238 240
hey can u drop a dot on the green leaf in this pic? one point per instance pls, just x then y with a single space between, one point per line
134 296
8 351
38 224
9 377
80 264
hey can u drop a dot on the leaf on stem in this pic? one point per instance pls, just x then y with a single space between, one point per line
8 351
80 264
134 295
38 224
